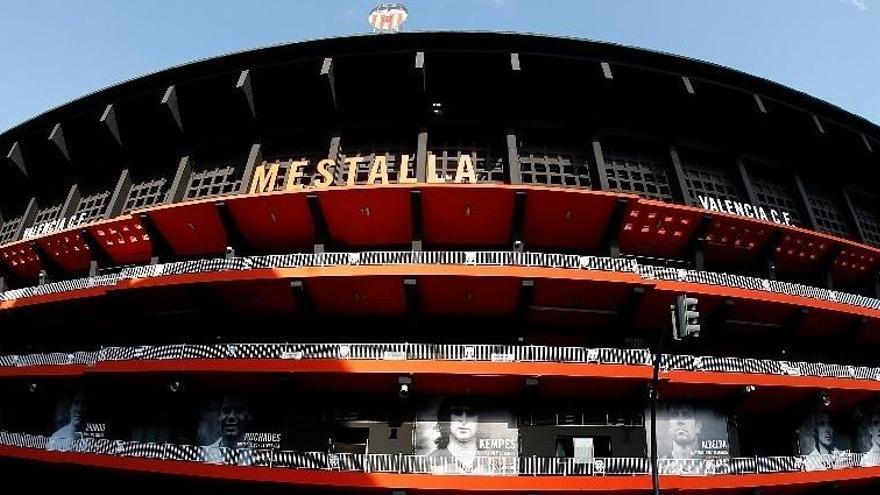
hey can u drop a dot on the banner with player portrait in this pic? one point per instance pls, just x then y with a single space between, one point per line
824 438
868 439
76 419
234 428
692 438
464 435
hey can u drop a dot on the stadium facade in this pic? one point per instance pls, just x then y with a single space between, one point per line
442 262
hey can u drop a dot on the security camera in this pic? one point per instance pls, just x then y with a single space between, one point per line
404 382
175 386
230 252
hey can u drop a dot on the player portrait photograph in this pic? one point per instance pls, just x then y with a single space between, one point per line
70 419
692 438
823 441
461 435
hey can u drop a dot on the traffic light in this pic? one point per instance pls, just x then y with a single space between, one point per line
686 318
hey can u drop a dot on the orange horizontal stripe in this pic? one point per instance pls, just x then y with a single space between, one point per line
745 481
725 378
386 270
383 366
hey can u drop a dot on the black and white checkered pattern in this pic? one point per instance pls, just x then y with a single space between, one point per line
477 258
203 352
407 463
452 352
55 358
88 358
766 367
780 464
120 353
254 351
184 453
300 460
141 449
23 440
161 352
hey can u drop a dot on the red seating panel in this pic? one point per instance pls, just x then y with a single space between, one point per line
567 219
732 240
125 240
68 250
191 229
275 222
657 229
22 259
467 215
800 253
362 217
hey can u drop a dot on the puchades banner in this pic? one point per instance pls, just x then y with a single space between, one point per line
692 438
76 418
464 435
234 426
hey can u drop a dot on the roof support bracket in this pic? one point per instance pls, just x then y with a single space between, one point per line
327 72
245 87
169 100
57 138
108 118
17 158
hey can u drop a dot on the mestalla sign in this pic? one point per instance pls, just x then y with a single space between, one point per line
265 176
745 209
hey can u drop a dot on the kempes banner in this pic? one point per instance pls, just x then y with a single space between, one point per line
692 438
234 426
466 436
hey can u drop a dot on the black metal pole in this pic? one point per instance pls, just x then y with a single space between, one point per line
655 474
655 382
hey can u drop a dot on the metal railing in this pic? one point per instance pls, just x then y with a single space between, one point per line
443 352
671 362
427 464
473 258
388 352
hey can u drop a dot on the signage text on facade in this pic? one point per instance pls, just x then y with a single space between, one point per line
745 209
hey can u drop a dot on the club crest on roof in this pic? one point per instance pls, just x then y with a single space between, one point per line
388 17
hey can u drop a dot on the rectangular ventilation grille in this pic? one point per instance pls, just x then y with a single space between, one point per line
145 194
8 230
93 207
828 212
554 166
703 178
639 174
866 215
775 193
48 214
218 181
